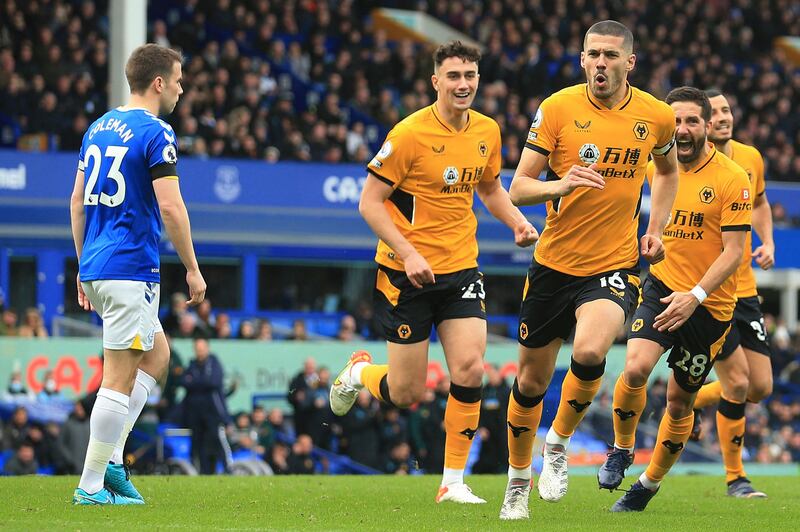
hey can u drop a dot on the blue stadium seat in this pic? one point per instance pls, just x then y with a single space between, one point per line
5 456
175 445
47 470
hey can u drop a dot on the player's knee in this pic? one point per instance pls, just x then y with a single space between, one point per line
122 382
635 374
737 386
468 372
155 363
406 396
758 391
589 356
532 383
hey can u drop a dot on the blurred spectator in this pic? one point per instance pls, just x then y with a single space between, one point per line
426 428
299 331
74 438
204 408
16 430
347 329
264 330
45 447
360 438
23 462
222 326
8 325
159 34
71 137
246 330
399 460
278 459
167 404
300 389
50 391
33 325
299 461
242 435
393 429
205 320
779 216
791 373
493 430
178 308
278 424
366 324
186 326
656 400
320 416
16 387
265 435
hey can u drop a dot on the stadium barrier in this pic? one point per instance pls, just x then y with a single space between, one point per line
258 367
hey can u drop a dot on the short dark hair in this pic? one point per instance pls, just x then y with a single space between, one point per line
613 28
455 49
713 93
691 94
147 62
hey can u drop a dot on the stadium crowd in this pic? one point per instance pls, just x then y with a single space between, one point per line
316 80
388 440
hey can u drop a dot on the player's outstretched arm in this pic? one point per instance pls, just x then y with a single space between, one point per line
527 189
176 221
497 200
681 305
78 219
664 187
372 209
762 224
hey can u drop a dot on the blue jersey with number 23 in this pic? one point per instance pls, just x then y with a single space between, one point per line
121 154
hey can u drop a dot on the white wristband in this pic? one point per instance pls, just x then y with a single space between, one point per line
699 293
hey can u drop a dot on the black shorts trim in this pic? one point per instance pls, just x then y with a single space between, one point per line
551 298
748 329
407 314
692 348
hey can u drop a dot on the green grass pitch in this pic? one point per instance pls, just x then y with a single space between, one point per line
388 503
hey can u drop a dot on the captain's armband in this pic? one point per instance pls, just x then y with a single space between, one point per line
663 150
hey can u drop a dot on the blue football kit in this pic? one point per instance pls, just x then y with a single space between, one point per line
121 154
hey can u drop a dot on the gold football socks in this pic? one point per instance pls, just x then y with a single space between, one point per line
524 416
672 437
730 427
627 407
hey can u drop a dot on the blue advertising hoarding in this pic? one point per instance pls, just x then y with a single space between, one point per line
300 210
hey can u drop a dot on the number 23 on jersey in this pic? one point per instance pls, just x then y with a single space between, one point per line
93 160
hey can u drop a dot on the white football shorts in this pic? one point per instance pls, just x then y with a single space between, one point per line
129 310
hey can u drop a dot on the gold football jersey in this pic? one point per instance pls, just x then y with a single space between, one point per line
594 231
433 170
712 198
